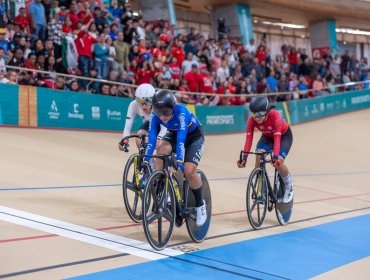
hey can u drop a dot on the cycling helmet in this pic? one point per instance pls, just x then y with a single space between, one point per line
259 104
144 94
163 103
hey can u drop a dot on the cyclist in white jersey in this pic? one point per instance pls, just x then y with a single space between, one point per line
142 106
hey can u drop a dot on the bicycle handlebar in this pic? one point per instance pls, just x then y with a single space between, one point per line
257 154
140 136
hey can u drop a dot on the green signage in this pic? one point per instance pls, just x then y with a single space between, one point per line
221 119
9 104
83 111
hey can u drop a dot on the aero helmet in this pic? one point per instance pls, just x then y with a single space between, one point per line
163 102
259 104
144 94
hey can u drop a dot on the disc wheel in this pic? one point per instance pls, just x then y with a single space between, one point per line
257 198
159 211
198 234
283 210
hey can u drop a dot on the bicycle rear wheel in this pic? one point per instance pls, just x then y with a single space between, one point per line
257 198
131 189
283 211
159 211
198 234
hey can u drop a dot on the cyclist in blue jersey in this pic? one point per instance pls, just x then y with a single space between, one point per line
184 136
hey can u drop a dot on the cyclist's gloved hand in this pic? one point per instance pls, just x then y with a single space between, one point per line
242 161
123 144
180 166
276 161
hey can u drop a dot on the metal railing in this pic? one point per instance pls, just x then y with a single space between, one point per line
274 94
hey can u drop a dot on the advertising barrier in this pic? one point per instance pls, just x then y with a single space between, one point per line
83 111
63 109
9 98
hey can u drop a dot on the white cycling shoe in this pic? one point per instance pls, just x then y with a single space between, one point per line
288 195
201 214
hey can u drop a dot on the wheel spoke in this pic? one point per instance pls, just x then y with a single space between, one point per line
134 206
152 217
160 230
132 187
167 215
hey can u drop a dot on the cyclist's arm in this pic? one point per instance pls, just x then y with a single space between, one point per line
130 118
183 118
249 135
277 125
152 139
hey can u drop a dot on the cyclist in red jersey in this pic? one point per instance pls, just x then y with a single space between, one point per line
276 136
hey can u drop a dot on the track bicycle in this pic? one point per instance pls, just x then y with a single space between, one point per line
262 196
169 201
133 176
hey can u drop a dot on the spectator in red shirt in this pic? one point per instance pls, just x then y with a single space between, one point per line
178 52
192 78
22 20
293 60
174 68
205 80
145 73
84 43
261 54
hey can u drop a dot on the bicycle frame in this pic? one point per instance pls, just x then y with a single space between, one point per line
262 165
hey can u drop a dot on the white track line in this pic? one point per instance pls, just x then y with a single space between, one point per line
87 235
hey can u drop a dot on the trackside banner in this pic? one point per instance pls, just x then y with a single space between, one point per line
63 109
9 98
82 111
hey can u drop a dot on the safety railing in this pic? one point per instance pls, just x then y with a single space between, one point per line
343 87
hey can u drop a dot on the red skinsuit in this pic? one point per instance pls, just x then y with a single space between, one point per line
273 127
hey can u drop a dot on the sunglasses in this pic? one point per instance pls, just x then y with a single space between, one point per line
258 115
144 101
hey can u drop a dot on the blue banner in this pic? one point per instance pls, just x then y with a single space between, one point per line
9 98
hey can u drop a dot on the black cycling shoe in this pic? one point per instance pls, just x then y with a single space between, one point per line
179 221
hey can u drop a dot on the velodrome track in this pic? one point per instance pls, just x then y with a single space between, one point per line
62 215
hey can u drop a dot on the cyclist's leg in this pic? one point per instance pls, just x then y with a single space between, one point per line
265 144
285 145
165 147
193 154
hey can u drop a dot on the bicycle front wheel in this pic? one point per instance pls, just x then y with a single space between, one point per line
198 234
131 189
257 198
159 210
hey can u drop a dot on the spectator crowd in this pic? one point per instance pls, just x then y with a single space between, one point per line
113 43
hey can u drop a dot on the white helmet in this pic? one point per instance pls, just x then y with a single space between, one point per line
144 94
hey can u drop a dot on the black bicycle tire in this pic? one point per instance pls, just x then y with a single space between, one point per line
148 192
190 223
134 217
248 193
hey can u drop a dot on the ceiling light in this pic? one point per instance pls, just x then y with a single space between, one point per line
282 25
353 31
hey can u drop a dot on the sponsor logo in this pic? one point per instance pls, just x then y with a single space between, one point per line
322 107
314 109
75 114
344 103
360 99
199 154
182 150
221 119
182 121
95 112
54 113
114 115
330 106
